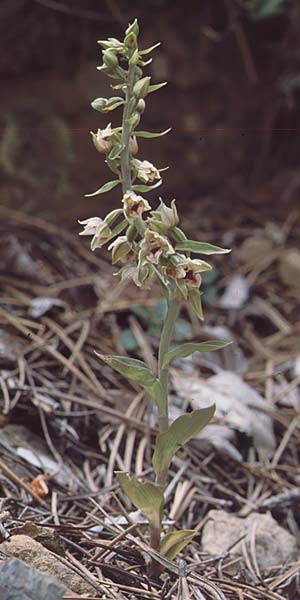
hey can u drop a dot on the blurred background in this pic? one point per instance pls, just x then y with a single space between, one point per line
233 68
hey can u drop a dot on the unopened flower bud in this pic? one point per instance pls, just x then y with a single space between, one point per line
121 250
141 87
131 232
141 105
110 59
130 40
99 103
141 278
164 218
133 146
133 28
169 216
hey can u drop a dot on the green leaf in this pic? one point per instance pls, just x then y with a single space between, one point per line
145 496
113 215
194 298
200 248
156 391
116 151
117 230
131 368
105 188
151 134
172 543
146 188
137 370
181 431
157 86
186 349
177 234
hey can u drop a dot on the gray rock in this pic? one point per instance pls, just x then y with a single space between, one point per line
34 554
273 545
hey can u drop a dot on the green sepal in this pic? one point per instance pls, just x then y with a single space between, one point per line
145 496
151 134
200 248
172 543
104 188
181 431
146 188
185 350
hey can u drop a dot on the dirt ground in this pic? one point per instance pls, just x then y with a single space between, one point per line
67 421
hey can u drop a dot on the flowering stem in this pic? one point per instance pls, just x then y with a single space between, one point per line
166 334
126 131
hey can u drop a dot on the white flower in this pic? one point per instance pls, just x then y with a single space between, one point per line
103 139
134 205
146 171
185 272
98 229
154 246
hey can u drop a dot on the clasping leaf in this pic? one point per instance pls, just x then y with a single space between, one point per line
185 350
181 431
200 248
146 496
146 188
104 188
137 370
172 543
151 134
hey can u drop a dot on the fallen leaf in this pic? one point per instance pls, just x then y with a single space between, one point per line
239 406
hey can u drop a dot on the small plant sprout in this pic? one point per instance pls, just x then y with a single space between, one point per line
149 245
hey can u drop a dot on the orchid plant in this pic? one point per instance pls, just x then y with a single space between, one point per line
150 246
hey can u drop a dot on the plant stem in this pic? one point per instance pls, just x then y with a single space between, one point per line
166 334
126 131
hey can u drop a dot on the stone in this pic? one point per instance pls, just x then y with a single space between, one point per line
274 546
34 554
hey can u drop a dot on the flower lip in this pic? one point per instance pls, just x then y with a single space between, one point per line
134 205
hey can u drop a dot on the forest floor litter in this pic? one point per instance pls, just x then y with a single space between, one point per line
68 422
